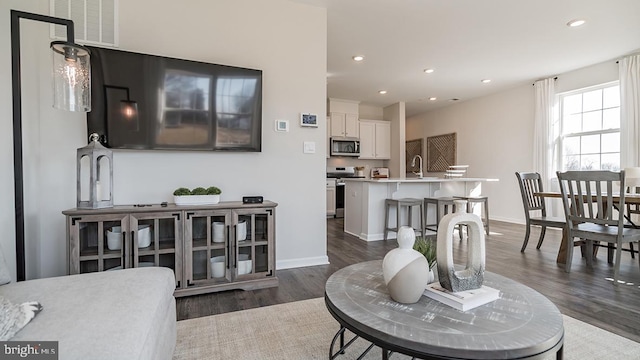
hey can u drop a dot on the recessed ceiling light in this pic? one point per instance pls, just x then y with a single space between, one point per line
382 92
485 81
428 71
433 98
454 99
576 22
358 58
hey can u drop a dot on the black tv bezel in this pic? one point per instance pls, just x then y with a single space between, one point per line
97 121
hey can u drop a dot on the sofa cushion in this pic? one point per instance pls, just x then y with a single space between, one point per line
103 315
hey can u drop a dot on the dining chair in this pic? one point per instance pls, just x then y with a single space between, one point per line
530 184
632 184
589 207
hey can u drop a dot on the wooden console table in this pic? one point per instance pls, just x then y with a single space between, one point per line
210 248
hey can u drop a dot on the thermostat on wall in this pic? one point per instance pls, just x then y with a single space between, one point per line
282 125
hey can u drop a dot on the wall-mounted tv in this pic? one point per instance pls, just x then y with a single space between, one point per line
142 101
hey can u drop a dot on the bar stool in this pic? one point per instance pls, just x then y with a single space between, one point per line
444 205
472 201
408 203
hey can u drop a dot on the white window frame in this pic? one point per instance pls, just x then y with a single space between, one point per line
562 136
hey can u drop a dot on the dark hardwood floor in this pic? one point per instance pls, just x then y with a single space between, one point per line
584 293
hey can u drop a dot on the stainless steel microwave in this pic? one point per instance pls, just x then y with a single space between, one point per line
345 147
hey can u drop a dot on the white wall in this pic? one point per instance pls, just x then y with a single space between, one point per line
395 113
370 112
495 134
248 33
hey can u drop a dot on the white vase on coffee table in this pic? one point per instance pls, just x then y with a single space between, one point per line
403 269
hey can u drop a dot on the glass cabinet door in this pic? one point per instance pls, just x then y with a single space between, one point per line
98 243
253 243
207 239
157 241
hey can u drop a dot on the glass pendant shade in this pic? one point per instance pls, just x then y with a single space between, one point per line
71 77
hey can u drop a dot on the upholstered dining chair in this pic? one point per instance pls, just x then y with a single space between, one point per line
530 184
589 207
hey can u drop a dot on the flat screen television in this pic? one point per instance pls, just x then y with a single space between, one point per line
150 102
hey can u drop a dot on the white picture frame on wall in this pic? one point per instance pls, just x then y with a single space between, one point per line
282 125
308 120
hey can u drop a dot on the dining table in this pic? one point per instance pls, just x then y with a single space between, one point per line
562 252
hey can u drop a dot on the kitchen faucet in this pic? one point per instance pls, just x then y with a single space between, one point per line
413 163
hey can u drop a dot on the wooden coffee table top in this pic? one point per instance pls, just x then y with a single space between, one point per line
522 323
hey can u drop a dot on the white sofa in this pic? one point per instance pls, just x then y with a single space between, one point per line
123 314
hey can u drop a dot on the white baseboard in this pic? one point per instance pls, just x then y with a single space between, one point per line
303 262
520 222
509 220
372 237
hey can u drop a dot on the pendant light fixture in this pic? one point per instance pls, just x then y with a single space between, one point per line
71 91
71 77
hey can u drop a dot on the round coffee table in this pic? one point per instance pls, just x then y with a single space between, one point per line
521 324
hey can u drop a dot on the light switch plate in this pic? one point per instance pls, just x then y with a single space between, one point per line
309 147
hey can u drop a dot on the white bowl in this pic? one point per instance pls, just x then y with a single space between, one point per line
144 236
244 264
114 237
217 266
242 231
196 199
218 232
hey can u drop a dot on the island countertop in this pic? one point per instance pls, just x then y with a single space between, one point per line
364 206
418 180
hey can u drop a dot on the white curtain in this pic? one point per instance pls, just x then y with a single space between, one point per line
545 133
630 111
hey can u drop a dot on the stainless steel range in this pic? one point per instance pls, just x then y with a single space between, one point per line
339 173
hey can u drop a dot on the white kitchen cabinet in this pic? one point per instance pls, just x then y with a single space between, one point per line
375 139
331 197
344 125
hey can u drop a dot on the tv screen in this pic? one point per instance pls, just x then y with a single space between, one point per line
142 101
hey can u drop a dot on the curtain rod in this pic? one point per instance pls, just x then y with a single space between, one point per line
555 78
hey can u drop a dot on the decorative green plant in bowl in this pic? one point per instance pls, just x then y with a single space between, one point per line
197 196
212 190
199 191
182 191
426 247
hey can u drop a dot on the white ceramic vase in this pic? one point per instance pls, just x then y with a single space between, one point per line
403 269
473 274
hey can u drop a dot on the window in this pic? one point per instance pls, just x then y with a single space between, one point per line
590 128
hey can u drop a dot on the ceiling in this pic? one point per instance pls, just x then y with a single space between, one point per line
511 42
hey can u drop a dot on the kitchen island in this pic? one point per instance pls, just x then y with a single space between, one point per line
364 200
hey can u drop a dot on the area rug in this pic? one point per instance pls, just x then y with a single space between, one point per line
303 330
